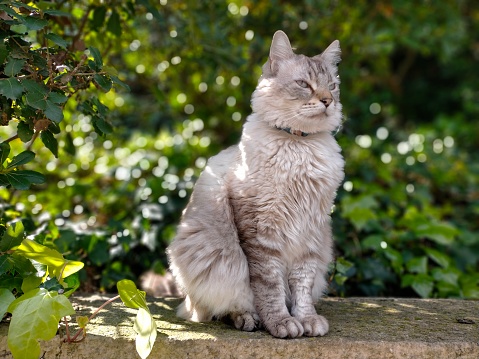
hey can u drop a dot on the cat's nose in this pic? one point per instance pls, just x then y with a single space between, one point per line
326 101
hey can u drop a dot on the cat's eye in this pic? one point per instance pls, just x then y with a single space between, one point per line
332 86
302 84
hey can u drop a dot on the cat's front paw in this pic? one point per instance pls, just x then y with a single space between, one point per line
288 327
314 325
246 321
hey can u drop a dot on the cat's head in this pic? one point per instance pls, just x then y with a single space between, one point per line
298 92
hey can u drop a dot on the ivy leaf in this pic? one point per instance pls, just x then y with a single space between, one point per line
440 258
21 159
50 142
417 265
58 266
12 237
130 295
144 324
4 152
13 66
11 88
31 282
57 40
145 327
35 316
440 232
6 298
82 321
6 264
423 285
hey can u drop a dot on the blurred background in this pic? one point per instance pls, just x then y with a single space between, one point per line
406 218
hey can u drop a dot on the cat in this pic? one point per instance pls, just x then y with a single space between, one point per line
255 239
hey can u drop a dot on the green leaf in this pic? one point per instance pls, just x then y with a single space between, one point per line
97 60
53 112
53 12
3 53
113 25
440 232
145 326
31 282
422 285
35 23
58 266
17 182
57 97
82 321
99 14
101 126
72 284
12 237
35 316
50 142
118 82
24 132
417 265
36 87
22 265
33 177
57 40
440 258
36 100
11 88
6 264
19 28
396 259
343 265
130 295
6 298
21 159
13 66
446 275
103 81
372 241
4 152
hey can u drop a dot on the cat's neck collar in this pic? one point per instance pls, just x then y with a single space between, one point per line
293 132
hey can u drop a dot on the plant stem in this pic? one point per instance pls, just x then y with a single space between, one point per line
82 330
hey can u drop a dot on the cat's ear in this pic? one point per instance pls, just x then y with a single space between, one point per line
332 54
280 50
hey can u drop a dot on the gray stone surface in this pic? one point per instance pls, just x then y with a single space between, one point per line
366 328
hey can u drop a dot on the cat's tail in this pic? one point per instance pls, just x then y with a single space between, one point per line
206 258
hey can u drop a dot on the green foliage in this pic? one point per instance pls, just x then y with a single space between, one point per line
35 315
144 324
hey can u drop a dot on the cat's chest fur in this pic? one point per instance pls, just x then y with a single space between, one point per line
284 184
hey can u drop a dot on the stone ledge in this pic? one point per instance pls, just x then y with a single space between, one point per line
360 328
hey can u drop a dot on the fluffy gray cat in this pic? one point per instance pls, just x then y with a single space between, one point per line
254 242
